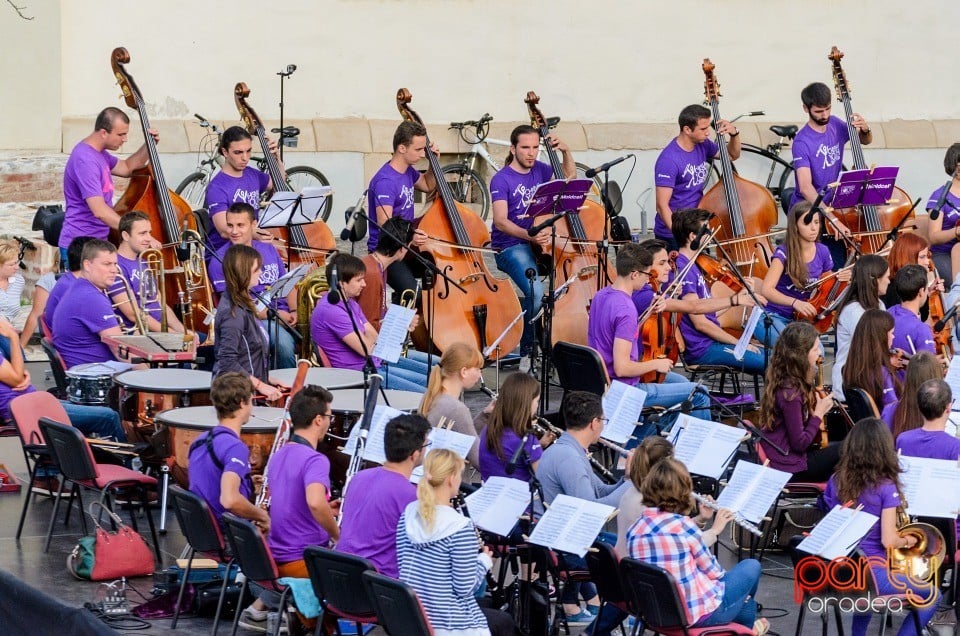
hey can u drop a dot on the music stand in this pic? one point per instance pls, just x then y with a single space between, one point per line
288 208
870 186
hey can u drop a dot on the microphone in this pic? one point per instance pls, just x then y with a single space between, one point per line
940 324
703 231
592 172
935 212
512 464
333 296
683 407
353 213
530 273
183 250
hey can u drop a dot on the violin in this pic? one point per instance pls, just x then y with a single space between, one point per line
575 257
826 299
658 335
488 308
870 224
303 243
821 393
899 358
943 341
745 211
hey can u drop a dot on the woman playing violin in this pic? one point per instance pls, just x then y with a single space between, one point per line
909 249
944 230
872 369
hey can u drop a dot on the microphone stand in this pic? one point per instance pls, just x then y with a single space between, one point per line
603 257
547 305
369 368
755 432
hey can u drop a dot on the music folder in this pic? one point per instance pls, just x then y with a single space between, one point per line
292 208
870 186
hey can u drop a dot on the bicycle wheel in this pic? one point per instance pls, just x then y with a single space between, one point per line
193 188
300 177
597 181
468 188
769 170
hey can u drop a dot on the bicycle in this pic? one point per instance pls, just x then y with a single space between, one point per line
194 185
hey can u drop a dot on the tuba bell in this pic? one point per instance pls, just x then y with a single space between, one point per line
309 290
923 560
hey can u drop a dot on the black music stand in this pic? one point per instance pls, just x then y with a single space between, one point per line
281 288
287 208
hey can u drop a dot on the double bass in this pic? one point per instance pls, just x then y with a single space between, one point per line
488 307
745 211
170 214
870 224
304 243
575 257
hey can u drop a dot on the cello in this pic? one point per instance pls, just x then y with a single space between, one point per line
304 243
871 223
745 211
489 307
148 193
575 257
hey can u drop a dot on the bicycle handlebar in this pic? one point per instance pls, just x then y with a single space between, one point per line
752 113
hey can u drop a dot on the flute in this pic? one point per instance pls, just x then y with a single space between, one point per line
737 519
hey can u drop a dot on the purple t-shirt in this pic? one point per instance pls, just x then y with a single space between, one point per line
330 324
292 525
694 283
889 391
875 500
909 332
493 466
271 270
685 172
950 213
204 474
7 394
517 190
643 298
822 262
821 152
64 283
76 333
394 189
87 174
929 444
613 315
887 414
370 514
132 272
224 190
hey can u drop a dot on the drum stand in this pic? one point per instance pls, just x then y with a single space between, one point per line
164 493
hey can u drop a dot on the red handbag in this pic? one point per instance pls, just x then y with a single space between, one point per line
107 556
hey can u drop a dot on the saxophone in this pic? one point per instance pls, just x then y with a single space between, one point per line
309 290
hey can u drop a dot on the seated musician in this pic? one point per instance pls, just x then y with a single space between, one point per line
791 412
665 536
904 414
909 249
11 289
565 469
926 436
506 426
511 190
240 342
945 229
706 340
910 333
872 369
376 497
241 222
135 238
41 292
869 475
613 332
459 369
337 320
868 283
87 315
66 281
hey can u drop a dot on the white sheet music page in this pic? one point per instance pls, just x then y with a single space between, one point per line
744 340
393 331
838 533
953 375
930 486
622 404
752 490
571 524
373 451
497 505
444 438
704 447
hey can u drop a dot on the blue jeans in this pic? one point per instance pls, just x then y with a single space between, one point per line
720 353
99 420
884 586
514 262
673 390
739 604
282 343
407 374
779 324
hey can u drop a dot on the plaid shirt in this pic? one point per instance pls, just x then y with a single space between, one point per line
673 542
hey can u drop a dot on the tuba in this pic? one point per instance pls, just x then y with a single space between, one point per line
309 291
923 560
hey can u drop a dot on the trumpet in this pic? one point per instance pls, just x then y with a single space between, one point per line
139 319
408 299
150 264
737 519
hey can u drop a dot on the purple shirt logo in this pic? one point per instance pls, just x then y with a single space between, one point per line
695 174
831 154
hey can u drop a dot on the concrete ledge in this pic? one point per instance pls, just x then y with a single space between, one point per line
901 133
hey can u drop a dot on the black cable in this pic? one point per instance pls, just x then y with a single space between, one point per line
127 623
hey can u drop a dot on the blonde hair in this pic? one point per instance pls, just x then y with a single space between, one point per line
437 467
8 251
458 356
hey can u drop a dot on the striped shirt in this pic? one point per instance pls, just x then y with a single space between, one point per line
10 298
673 542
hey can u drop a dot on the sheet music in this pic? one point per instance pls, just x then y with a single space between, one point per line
393 331
953 379
622 404
838 533
744 340
497 505
444 438
312 200
294 208
571 524
704 447
930 486
373 451
752 490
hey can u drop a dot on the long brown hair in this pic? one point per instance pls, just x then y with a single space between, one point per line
668 487
650 451
905 251
870 355
867 459
512 409
796 266
923 366
457 356
864 286
238 262
789 369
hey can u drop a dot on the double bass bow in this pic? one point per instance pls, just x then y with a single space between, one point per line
488 307
304 243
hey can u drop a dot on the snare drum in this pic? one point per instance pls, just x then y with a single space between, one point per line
90 383
329 378
144 393
187 424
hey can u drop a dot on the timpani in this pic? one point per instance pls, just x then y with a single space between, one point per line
327 377
144 393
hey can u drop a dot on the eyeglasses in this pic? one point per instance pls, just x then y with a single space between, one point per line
648 273
426 444
326 415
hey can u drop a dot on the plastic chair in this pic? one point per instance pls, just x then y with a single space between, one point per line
547 561
202 533
252 554
337 580
604 566
74 458
860 404
580 368
398 609
57 366
655 599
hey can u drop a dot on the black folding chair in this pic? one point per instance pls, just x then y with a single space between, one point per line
398 609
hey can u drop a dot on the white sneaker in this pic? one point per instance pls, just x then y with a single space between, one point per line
524 366
254 620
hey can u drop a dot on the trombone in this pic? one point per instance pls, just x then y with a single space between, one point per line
150 264
139 317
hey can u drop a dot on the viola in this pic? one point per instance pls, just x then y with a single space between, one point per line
870 224
489 306
303 243
575 256
745 211
658 335
169 214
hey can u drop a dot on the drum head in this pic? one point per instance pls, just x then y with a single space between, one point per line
264 419
328 378
91 370
165 380
351 400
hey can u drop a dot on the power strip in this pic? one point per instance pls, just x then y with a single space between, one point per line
115 603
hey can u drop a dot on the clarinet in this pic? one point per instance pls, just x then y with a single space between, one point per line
737 519
460 505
